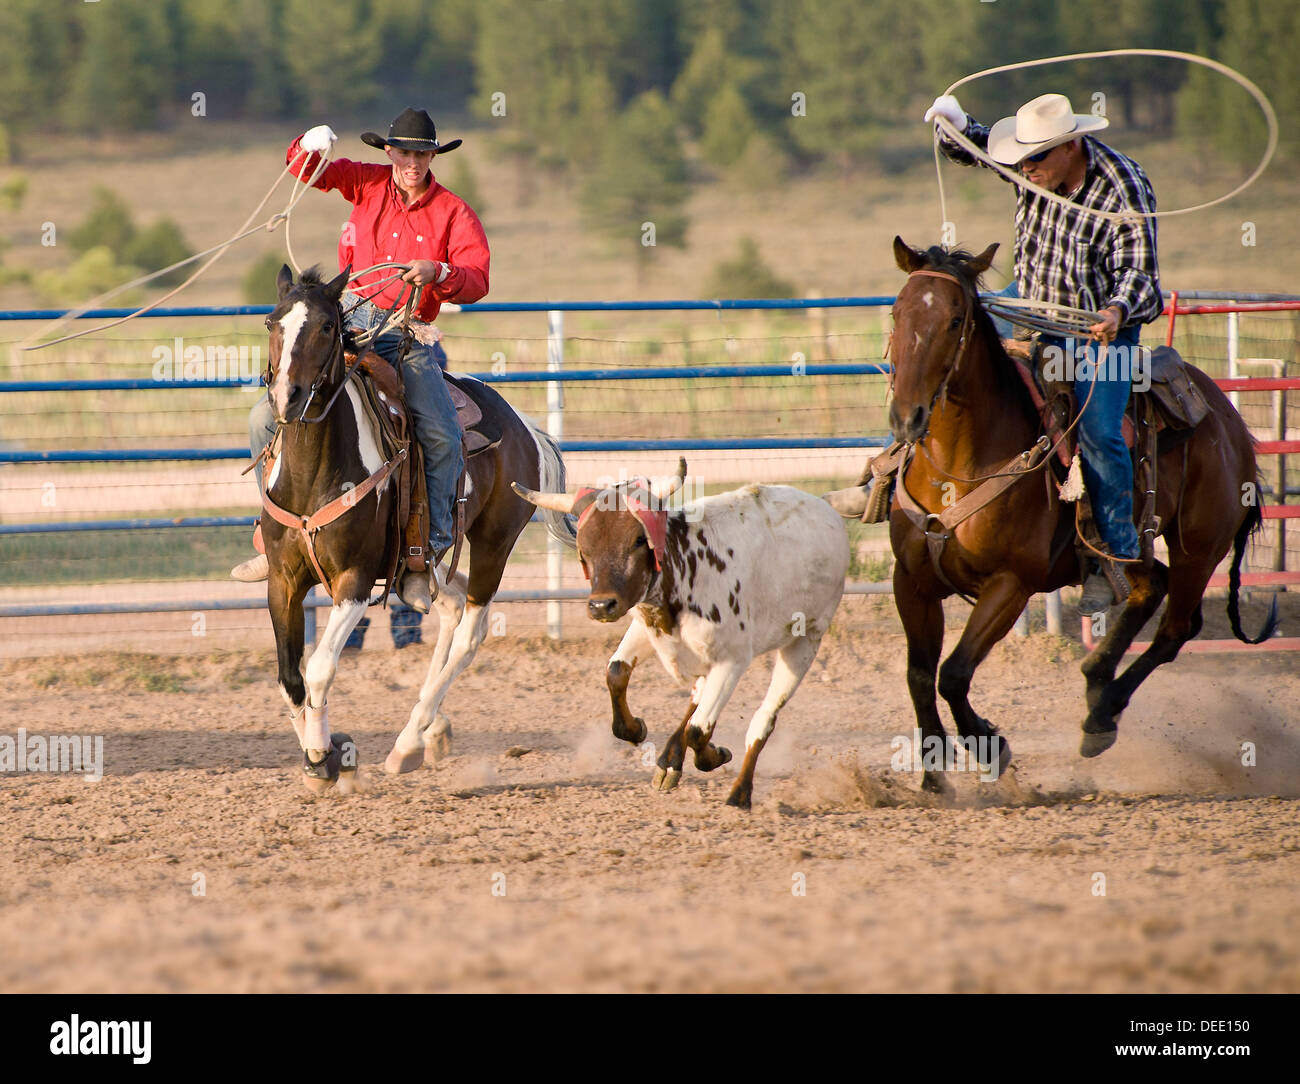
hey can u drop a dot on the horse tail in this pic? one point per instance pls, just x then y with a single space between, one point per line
551 475
1252 523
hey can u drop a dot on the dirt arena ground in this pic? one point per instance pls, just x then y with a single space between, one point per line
536 857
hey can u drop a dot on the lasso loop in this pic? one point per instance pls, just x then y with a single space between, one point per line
298 190
955 136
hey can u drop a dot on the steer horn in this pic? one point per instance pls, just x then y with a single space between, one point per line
555 502
849 503
663 488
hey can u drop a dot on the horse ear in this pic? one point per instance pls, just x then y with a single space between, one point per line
284 281
984 260
908 259
335 287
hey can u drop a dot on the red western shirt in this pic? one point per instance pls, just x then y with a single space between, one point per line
437 226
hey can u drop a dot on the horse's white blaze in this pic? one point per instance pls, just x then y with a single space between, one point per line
291 324
928 298
367 443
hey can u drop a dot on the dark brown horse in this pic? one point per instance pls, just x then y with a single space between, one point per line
958 401
323 459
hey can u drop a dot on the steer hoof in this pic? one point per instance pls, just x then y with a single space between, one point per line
711 757
666 780
1093 745
400 763
438 748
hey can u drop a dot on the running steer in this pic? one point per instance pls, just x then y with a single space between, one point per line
711 586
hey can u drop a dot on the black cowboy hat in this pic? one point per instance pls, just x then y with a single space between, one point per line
412 131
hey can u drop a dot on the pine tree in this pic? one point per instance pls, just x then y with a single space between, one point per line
636 195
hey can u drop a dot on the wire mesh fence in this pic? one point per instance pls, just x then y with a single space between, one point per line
193 562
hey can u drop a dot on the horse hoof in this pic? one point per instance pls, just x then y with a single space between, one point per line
936 783
666 780
1093 745
438 749
317 785
400 763
739 799
634 737
1004 756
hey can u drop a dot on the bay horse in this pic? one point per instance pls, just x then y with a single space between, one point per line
335 455
960 404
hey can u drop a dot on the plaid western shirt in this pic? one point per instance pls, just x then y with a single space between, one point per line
1077 259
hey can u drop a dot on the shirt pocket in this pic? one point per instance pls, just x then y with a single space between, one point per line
1087 269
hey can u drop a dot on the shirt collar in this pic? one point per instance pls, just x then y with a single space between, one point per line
424 198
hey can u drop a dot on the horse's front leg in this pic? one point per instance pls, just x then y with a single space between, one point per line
284 600
325 755
922 617
1001 601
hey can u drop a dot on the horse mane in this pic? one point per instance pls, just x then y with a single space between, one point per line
957 263
311 277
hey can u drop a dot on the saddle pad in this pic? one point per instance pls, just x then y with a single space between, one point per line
480 433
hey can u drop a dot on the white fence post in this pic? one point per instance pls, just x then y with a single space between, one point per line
1053 612
554 426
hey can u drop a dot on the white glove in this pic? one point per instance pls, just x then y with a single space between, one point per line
318 139
950 109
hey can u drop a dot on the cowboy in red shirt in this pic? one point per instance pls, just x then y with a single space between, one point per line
400 213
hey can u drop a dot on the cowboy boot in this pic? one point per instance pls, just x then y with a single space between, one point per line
415 590
1098 595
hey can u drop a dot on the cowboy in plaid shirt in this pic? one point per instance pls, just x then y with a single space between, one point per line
1081 261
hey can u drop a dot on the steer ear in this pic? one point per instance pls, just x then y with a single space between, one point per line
555 502
663 488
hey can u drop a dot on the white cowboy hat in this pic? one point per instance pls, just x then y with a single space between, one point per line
1046 122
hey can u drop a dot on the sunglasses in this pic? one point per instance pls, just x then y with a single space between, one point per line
1039 156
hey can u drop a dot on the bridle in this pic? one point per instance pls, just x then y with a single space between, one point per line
327 372
963 339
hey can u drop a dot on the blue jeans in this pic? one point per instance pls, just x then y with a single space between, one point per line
1006 330
432 414
1107 467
